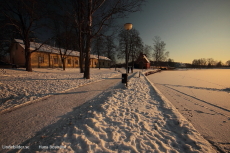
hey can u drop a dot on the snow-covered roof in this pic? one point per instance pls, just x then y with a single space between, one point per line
51 49
100 57
146 58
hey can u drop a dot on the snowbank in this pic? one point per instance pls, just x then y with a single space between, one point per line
136 119
18 86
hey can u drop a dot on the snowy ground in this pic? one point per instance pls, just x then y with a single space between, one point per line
203 98
18 86
137 119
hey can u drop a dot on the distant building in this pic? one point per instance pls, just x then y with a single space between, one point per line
48 56
142 62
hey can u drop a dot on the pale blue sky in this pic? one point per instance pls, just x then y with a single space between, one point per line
191 29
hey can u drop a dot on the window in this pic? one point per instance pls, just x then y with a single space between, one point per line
55 60
76 62
69 61
41 59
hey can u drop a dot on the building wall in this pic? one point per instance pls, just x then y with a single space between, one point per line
76 61
17 54
147 65
55 61
40 59
141 62
44 59
72 61
93 62
103 63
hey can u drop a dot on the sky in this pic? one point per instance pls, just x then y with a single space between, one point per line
191 29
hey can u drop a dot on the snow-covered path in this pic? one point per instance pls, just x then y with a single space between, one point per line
136 119
18 86
203 98
25 122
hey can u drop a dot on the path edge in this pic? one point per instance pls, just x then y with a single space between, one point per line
177 113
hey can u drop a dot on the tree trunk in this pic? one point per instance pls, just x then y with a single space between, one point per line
63 63
88 41
81 50
132 66
87 59
28 62
81 62
99 63
28 56
80 34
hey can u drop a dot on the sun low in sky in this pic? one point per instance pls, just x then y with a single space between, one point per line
191 29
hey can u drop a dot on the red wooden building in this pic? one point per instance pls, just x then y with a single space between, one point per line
142 62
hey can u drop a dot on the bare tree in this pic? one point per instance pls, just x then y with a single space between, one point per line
123 42
136 46
147 50
24 16
210 62
110 48
80 23
159 52
171 62
196 63
203 62
63 29
99 48
97 15
219 64
228 63
91 17
131 41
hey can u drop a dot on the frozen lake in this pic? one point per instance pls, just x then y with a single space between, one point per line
203 97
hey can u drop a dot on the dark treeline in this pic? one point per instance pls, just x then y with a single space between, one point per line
208 63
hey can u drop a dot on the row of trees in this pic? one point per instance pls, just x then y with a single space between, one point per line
134 44
74 24
104 46
208 62
159 52
131 41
